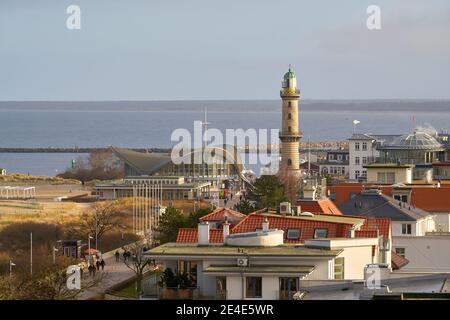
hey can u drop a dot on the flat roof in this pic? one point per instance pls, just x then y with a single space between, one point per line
260 269
176 249
388 165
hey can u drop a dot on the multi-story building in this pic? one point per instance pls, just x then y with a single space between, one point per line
422 237
418 148
336 163
270 256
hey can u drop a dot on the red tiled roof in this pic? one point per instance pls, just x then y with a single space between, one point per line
219 214
307 227
343 191
254 221
371 225
319 206
190 235
431 199
398 261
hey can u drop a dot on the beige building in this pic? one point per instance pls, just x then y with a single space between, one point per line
389 173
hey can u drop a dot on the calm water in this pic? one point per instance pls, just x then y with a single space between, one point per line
90 125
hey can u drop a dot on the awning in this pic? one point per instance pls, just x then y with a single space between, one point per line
259 269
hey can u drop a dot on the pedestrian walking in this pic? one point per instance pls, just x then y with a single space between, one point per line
102 264
98 265
117 254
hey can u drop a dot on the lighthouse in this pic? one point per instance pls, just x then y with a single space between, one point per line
290 134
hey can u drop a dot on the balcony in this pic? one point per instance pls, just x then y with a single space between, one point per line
167 293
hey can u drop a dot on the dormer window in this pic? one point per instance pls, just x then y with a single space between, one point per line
320 233
293 234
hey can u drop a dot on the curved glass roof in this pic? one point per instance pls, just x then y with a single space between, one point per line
415 141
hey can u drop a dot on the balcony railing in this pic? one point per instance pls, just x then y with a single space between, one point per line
167 293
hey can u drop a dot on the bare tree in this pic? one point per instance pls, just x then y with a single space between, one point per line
137 260
101 218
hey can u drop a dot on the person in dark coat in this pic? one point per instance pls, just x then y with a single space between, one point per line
98 265
102 263
117 254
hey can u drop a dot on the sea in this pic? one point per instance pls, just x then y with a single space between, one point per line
149 124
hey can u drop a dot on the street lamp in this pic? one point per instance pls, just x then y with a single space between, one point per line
11 264
89 248
54 254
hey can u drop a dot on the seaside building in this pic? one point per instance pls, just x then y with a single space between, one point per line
290 134
221 174
271 256
424 150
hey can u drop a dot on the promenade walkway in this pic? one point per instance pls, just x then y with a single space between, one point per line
114 273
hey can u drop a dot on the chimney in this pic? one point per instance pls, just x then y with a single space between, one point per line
203 233
265 224
226 229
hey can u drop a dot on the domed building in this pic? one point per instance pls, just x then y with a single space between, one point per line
415 148
418 148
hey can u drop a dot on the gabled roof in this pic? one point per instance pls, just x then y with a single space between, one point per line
373 227
219 214
190 235
431 199
319 206
398 261
306 225
361 136
368 228
381 206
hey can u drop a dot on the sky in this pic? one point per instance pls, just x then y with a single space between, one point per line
233 49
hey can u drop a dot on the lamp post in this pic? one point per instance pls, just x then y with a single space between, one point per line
54 254
89 248
11 264
96 233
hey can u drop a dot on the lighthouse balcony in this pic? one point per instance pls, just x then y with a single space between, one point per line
290 92
292 136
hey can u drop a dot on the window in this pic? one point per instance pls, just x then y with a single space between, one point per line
331 157
221 288
364 173
339 156
357 146
320 233
289 116
289 162
293 234
288 287
406 228
253 287
364 146
364 160
189 268
289 104
346 157
339 268
357 173
386 177
401 252
356 160
289 129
